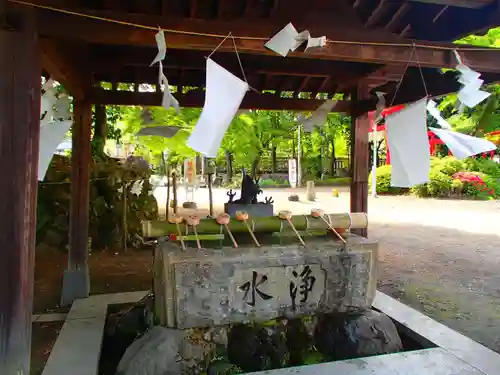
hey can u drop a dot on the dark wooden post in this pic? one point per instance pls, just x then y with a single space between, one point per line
360 127
76 278
19 142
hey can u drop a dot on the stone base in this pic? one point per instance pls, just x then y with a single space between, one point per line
223 286
76 284
254 210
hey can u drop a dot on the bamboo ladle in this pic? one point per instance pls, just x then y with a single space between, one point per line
224 219
176 219
243 216
194 220
317 213
287 215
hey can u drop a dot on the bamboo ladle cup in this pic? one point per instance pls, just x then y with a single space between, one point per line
194 220
317 213
224 219
287 215
176 219
243 216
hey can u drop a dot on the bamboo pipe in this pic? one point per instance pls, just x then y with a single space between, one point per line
287 215
243 216
194 221
224 219
175 219
357 220
320 214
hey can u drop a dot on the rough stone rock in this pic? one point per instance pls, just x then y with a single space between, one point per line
254 348
346 336
155 353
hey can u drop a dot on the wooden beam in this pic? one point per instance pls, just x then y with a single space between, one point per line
398 16
192 8
76 282
105 33
19 144
58 61
359 159
474 4
196 99
377 14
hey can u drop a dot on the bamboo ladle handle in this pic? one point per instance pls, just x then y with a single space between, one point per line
319 213
243 216
175 219
287 215
223 219
194 221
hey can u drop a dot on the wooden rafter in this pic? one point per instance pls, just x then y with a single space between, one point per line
62 67
302 86
440 13
379 54
398 16
192 8
377 14
459 3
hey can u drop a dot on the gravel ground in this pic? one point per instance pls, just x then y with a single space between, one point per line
441 257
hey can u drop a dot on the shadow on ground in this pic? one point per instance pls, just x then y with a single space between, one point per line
450 275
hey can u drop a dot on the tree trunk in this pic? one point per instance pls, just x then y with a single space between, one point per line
273 160
100 131
255 166
332 157
229 166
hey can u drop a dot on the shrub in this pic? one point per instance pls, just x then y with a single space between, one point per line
448 165
439 184
384 181
486 166
106 204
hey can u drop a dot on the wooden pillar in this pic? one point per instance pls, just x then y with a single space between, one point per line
360 127
20 86
76 278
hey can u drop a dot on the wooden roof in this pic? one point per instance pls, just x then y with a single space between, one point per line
370 43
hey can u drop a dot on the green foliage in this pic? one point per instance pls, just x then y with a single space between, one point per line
106 204
443 182
384 181
334 181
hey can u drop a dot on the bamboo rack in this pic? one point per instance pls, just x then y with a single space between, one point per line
358 220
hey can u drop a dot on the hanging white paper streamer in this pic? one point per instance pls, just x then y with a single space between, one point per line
168 99
51 135
48 101
470 94
432 109
284 41
162 47
318 117
223 96
305 36
289 39
409 145
461 145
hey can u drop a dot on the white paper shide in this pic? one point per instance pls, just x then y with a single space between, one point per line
409 144
223 96
288 39
462 145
